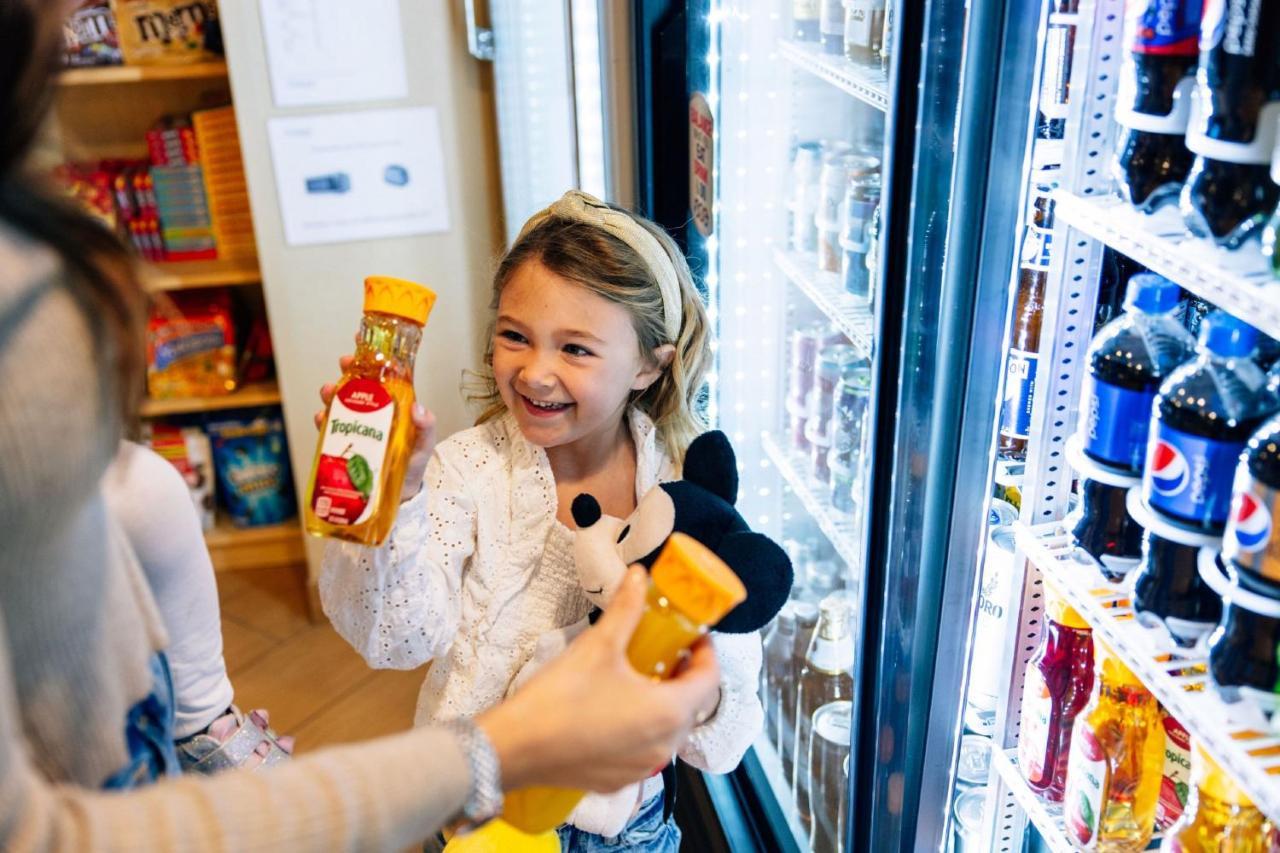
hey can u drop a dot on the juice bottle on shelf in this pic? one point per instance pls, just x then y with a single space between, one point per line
1175 783
690 589
1219 817
827 676
1116 763
364 446
1059 683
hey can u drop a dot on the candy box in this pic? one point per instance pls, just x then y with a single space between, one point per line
89 36
189 450
191 345
168 32
251 458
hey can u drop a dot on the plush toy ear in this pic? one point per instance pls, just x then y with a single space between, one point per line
765 570
710 463
585 509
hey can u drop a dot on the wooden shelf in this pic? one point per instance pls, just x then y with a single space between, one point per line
262 394
116 74
232 548
185 275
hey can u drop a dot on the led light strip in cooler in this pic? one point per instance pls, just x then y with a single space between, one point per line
868 85
851 315
840 529
1179 679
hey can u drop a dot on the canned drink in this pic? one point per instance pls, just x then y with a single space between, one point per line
970 806
819 450
1000 513
860 201
828 752
797 422
990 631
806 167
842 485
975 760
848 420
831 364
806 342
837 170
831 26
830 255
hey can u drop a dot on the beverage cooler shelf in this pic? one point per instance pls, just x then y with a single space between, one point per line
1238 281
1179 679
867 84
1047 817
840 528
851 315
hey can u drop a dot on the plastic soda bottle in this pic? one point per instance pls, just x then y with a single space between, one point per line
690 590
1116 763
359 468
1219 816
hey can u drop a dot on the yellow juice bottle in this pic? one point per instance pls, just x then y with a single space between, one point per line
1219 817
1116 762
364 446
690 589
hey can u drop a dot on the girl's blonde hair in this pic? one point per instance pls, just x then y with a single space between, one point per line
608 267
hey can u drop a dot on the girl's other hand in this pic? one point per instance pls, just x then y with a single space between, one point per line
424 439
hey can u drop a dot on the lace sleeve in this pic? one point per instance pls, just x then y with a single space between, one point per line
719 744
399 605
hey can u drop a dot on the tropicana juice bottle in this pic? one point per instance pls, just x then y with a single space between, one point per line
690 589
1219 817
354 490
1116 763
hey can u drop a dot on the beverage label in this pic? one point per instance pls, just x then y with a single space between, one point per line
1057 72
1019 390
989 631
1086 786
1036 245
1176 784
352 451
1164 27
1116 424
1231 25
1033 739
1188 476
1248 542
857 23
805 10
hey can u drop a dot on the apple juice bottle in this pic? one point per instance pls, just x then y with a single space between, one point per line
354 490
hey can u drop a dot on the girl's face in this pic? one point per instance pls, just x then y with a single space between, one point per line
565 359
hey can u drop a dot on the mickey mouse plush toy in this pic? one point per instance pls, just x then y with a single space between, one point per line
702 506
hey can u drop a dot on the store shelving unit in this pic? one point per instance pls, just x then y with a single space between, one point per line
1238 281
841 529
186 275
1047 817
848 313
233 548
1178 678
116 74
257 394
869 85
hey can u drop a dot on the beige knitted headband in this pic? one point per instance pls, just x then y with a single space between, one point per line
581 207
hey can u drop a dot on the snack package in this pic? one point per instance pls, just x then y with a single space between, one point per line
191 345
189 450
168 32
251 458
89 36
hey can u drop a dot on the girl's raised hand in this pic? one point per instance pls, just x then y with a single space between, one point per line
424 439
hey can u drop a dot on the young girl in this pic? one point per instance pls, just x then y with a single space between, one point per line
598 350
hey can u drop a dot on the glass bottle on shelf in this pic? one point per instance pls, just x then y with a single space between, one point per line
779 670
1219 816
828 753
806 615
827 676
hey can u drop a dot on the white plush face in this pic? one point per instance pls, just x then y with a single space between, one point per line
603 551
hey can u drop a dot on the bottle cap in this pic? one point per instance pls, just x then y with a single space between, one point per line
1228 336
1111 669
696 581
1151 294
386 295
1062 612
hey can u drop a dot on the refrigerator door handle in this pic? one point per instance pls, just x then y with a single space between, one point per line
479 39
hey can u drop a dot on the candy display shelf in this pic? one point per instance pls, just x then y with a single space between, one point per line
232 548
1178 678
116 74
259 394
841 529
851 315
184 275
1047 817
1238 281
867 84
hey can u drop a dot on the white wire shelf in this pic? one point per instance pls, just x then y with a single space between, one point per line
1178 678
840 528
1047 817
850 314
1238 281
867 84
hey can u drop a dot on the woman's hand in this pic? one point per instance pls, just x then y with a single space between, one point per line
588 720
424 435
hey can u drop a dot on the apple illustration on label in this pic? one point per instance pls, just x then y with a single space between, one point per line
343 486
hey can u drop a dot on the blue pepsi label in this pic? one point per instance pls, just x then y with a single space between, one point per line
1165 27
1019 390
1116 423
1189 476
1248 541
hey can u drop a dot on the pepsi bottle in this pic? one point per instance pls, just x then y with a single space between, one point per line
1229 194
1103 527
1168 590
1153 102
1248 542
1127 361
1200 420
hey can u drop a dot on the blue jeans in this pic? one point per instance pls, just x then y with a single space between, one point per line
148 734
647 832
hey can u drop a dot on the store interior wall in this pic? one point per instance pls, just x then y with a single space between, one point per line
314 293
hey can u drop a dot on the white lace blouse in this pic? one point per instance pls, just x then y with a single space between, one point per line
478 567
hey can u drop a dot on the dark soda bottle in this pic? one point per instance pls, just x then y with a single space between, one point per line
1113 283
1024 344
1249 543
1242 649
1154 101
1102 526
1202 417
1169 592
1229 194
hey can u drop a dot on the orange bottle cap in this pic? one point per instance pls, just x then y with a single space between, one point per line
1060 611
696 581
386 295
